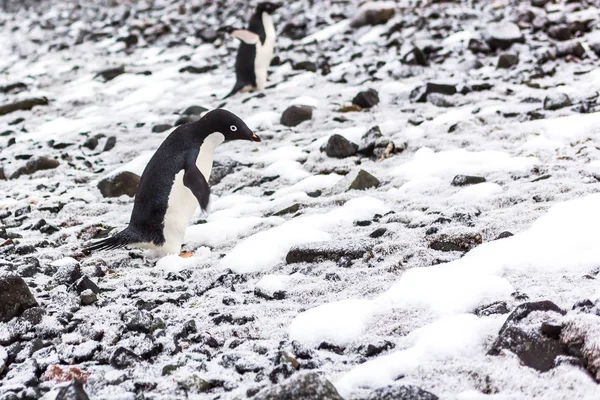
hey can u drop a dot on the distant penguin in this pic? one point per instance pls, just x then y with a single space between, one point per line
256 49
175 182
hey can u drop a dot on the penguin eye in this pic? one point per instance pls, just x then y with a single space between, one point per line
233 128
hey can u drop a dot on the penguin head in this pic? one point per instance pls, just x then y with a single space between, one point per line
268 7
229 125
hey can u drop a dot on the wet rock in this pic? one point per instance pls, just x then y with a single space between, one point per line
339 147
110 143
401 392
463 242
111 73
161 128
507 60
524 337
198 70
366 99
556 101
88 297
498 307
34 165
15 296
295 115
124 182
327 251
74 391
122 358
420 94
68 271
463 180
502 35
26 104
303 386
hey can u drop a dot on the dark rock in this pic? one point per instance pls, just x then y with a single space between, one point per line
110 143
356 180
540 3
124 182
305 66
502 35
303 386
68 273
374 349
15 296
91 143
463 243
186 119
26 104
49 229
294 208
74 391
556 101
161 128
129 40
366 99
84 283
463 180
294 31
560 32
526 340
294 115
574 48
111 73
16 121
507 60
375 146
138 321
339 147
207 34
401 392
498 307
222 168
379 232
327 251
194 110
477 46
13 88
504 235
122 358
580 336
88 297
34 165
198 70
2 175
420 94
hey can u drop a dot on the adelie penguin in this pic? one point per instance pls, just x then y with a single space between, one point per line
175 182
256 49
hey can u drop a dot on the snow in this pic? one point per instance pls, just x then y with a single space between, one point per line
272 283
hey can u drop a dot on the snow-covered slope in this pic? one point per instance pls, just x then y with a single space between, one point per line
407 283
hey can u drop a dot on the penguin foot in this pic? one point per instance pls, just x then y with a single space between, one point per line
186 254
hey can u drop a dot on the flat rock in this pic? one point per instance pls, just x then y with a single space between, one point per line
366 99
303 386
26 104
339 147
327 251
34 165
295 115
502 35
15 296
124 182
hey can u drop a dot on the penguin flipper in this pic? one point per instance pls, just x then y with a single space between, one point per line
117 241
195 181
245 36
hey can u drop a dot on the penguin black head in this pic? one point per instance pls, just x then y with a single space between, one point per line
268 7
230 125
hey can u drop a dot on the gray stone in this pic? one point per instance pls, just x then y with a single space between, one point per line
161 128
421 93
366 99
327 251
401 392
556 101
463 180
441 100
88 297
295 115
34 165
303 386
68 273
502 35
124 182
339 147
15 296
507 60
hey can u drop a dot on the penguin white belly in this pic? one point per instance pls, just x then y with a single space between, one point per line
264 52
182 203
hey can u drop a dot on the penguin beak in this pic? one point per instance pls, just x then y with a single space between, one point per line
255 138
276 6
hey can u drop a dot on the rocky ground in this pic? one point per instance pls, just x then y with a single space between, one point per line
419 222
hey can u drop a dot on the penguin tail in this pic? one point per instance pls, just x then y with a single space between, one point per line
117 241
238 86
